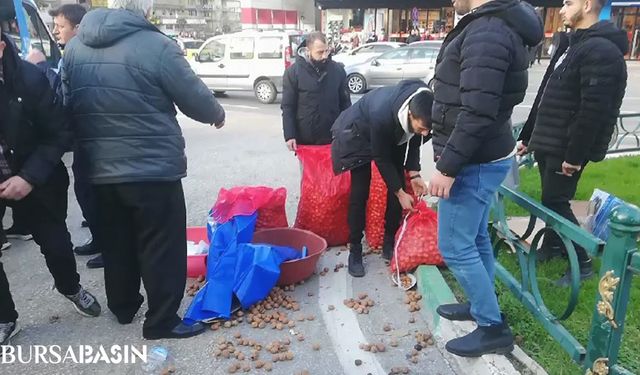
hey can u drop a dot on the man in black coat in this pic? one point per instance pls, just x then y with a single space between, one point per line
575 112
34 134
387 126
314 92
481 74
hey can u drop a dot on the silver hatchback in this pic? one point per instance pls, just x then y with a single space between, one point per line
392 67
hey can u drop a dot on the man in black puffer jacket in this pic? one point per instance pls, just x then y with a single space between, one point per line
575 112
481 74
388 126
314 93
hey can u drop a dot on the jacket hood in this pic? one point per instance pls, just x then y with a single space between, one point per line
519 15
10 60
104 27
607 30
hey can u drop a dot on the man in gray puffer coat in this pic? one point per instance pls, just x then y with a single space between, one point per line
122 79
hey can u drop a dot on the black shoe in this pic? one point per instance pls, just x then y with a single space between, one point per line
7 331
181 331
586 272
88 249
356 267
84 224
456 311
546 253
18 234
387 247
496 339
85 303
96 262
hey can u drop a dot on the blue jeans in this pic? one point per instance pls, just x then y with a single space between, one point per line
463 236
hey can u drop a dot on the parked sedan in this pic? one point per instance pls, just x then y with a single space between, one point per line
391 67
365 52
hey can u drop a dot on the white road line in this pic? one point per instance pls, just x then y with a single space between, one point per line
239 106
342 324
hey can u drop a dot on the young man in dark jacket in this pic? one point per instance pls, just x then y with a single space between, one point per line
124 108
481 74
387 126
34 135
314 92
575 112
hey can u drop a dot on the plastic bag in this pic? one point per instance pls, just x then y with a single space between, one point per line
324 197
245 200
376 209
417 240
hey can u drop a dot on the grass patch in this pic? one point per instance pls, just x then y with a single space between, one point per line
617 176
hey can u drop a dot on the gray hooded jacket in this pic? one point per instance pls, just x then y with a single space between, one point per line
121 79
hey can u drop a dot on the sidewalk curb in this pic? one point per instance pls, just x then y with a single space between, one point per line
435 292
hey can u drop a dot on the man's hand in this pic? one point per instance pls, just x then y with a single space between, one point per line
15 188
570 169
36 56
292 145
417 184
406 200
440 185
522 149
220 125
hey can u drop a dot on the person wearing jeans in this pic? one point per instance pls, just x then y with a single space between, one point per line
481 75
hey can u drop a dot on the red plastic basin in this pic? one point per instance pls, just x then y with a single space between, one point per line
291 272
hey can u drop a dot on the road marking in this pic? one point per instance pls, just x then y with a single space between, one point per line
239 106
342 324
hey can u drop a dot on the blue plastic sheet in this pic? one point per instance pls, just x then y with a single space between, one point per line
236 267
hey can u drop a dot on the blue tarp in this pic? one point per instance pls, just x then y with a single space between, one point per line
237 267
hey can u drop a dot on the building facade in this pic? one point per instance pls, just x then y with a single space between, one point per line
278 14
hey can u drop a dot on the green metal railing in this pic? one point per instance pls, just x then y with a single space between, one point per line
620 261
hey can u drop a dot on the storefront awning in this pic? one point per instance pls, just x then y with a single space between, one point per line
406 4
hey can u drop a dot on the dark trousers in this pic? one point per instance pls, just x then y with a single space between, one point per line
83 190
141 229
557 191
47 208
360 183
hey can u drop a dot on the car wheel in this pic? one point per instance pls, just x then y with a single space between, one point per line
266 91
218 93
356 84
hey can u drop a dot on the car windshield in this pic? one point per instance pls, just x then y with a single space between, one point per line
195 44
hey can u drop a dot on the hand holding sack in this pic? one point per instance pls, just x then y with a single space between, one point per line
324 197
417 240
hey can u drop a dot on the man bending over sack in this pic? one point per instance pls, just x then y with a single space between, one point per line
381 127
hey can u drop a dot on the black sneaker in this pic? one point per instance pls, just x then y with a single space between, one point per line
18 234
586 272
85 303
356 266
7 331
96 262
456 311
88 249
496 339
181 331
5 245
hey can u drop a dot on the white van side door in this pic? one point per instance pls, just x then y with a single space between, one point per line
210 64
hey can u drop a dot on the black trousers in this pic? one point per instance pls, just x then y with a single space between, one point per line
557 191
47 208
141 229
83 190
360 183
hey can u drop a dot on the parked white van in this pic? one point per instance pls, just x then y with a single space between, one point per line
249 60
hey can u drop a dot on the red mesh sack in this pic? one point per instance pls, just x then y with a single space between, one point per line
324 197
377 206
245 200
417 240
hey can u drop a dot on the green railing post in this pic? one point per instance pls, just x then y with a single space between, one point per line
607 324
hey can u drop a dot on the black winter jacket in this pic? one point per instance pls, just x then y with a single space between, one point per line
312 100
481 74
32 121
577 105
371 130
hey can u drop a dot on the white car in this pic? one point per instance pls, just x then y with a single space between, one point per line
365 52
